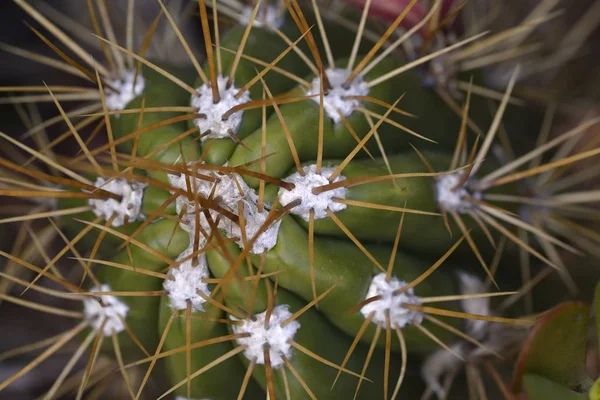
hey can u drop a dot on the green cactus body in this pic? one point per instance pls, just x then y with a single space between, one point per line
280 243
221 382
142 316
340 263
328 344
420 194
302 121
346 272
152 198
159 92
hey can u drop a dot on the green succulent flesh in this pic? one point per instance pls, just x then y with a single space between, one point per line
329 328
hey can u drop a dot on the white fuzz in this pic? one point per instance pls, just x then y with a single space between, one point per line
130 204
334 100
187 282
214 122
275 336
442 361
225 188
470 284
389 302
303 186
454 200
269 14
496 337
438 364
116 101
229 189
111 310
254 221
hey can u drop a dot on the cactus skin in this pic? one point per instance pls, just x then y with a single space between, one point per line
143 316
223 381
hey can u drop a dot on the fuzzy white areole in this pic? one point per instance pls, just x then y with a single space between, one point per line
229 189
108 315
254 220
453 199
188 280
334 99
275 335
225 188
213 121
391 303
271 14
303 186
117 101
130 205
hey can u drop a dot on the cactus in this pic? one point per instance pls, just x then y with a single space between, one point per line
305 214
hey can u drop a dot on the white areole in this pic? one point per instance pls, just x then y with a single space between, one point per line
450 197
270 14
303 186
391 303
275 335
334 99
228 189
116 101
188 280
109 315
129 206
214 122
